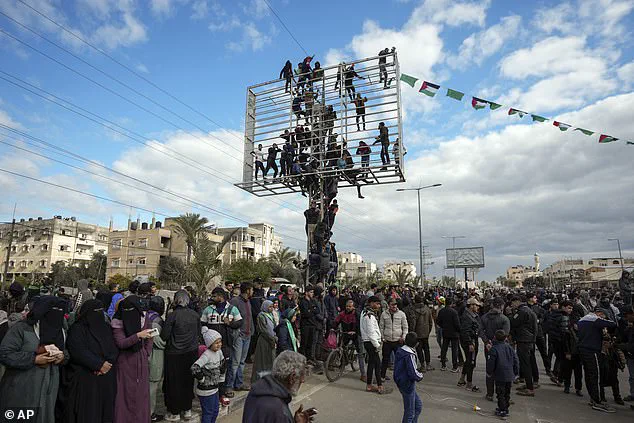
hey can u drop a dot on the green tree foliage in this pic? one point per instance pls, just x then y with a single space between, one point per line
191 226
121 280
283 265
207 263
172 272
403 276
247 270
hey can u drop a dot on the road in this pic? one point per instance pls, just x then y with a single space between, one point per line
347 401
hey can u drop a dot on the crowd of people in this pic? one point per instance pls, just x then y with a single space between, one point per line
107 356
315 144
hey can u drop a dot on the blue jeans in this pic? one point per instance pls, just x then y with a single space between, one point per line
412 407
239 354
210 406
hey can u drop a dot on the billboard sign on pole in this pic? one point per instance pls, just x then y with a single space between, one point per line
471 257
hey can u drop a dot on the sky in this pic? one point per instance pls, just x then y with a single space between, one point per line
174 80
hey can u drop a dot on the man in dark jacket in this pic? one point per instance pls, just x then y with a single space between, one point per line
502 367
524 333
590 343
570 361
540 341
492 322
270 397
449 322
331 304
470 331
419 320
556 326
310 323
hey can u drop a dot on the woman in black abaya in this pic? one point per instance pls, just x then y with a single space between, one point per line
90 382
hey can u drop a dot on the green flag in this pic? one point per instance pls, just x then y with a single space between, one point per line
537 118
494 106
456 95
585 131
409 80
629 143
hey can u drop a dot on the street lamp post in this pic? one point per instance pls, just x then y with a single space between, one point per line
420 226
453 247
618 243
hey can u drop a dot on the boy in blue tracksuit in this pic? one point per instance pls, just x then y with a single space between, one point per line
503 366
406 376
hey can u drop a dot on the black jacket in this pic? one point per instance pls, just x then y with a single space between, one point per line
493 321
449 322
556 325
541 315
310 313
180 331
267 402
524 325
469 327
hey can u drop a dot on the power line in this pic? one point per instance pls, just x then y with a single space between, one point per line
99 197
129 69
284 26
113 92
114 78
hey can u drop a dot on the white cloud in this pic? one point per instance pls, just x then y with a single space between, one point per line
200 9
257 8
452 13
626 73
252 39
7 120
142 68
161 7
225 25
481 45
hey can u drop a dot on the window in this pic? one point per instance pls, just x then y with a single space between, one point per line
131 243
143 242
103 237
590 262
64 248
66 232
11 263
23 263
14 248
116 244
44 247
615 262
32 247
45 232
0 235
142 261
252 239
25 248
116 262
42 263
30 262
102 251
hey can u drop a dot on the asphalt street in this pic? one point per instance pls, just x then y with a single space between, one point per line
347 401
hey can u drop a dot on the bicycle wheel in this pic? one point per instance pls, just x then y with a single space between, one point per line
353 359
333 367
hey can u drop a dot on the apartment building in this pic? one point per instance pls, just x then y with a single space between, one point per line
593 272
37 243
253 242
352 266
391 268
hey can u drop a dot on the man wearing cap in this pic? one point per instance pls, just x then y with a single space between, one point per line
470 330
524 333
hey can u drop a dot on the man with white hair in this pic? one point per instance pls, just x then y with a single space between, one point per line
270 397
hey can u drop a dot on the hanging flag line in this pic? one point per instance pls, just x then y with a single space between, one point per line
430 89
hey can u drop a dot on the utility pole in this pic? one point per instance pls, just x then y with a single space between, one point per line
618 243
6 264
420 228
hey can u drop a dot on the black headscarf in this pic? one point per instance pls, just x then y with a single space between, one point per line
157 304
49 312
130 313
92 316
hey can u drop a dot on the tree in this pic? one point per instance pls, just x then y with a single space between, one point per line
246 270
171 272
402 276
283 258
207 263
62 274
96 269
121 280
190 225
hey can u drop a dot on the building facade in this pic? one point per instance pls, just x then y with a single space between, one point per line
352 266
253 242
594 272
391 268
37 243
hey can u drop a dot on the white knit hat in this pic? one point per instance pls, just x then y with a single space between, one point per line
209 335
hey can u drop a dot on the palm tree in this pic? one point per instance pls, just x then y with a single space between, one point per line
190 225
283 258
207 263
402 276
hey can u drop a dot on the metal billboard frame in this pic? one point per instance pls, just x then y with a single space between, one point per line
464 265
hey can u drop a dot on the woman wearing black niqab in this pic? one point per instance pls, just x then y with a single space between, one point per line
90 382
32 364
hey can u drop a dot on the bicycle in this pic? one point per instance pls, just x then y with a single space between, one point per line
340 357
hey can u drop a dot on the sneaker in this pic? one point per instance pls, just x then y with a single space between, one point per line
225 401
619 401
172 417
536 386
488 397
525 393
386 377
188 415
229 393
579 393
628 398
243 388
567 390
443 369
455 370
364 378
429 368
157 417
603 407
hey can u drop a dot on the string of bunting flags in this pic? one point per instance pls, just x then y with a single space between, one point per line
430 89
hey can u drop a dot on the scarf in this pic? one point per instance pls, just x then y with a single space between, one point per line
130 313
48 312
291 333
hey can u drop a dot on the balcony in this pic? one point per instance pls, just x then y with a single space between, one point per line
250 245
